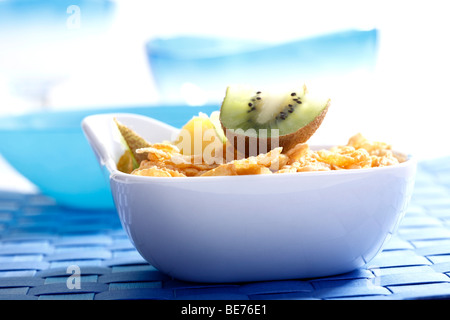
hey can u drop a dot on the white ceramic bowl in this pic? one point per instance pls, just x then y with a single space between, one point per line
252 228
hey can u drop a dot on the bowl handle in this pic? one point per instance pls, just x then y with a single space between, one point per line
104 136
99 133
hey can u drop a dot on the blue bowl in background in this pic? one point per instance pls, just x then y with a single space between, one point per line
51 151
206 66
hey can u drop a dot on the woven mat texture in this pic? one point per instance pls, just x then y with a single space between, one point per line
41 242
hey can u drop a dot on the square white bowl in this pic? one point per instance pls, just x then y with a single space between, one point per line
255 227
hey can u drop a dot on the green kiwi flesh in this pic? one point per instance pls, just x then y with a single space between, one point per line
294 114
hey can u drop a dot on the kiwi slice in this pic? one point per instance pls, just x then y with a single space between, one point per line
132 142
270 118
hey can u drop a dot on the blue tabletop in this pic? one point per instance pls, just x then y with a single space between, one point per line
49 252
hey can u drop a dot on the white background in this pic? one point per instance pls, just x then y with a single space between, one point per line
405 102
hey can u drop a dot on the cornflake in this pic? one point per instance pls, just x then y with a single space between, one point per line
165 160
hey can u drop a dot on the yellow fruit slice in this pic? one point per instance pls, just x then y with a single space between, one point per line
127 163
201 136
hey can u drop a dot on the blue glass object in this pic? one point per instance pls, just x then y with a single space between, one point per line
51 151
211 63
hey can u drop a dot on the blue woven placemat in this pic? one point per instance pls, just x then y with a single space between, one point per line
42 245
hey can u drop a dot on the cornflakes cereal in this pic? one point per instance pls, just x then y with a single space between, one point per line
260 164
164 155
356 159
302 159
237 168
157 172
359 153
297 152
165 160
